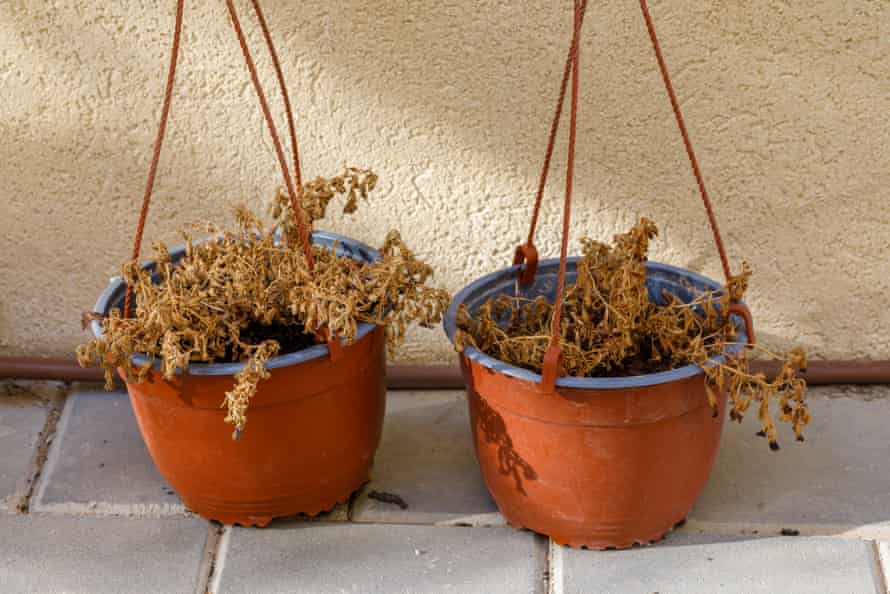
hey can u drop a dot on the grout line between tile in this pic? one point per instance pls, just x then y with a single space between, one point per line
430 523
102 509
555 569
40 463
208 557
881 558
542 559
52 453
215 571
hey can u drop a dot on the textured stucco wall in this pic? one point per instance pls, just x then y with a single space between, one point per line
449 100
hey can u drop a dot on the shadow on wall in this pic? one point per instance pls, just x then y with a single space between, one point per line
450 101
631 159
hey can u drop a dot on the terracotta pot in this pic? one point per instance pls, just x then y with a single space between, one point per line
600 462
313 428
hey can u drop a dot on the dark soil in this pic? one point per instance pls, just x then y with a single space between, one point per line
291 337
644 363
638 366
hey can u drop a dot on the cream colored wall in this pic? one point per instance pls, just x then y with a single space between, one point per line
449 100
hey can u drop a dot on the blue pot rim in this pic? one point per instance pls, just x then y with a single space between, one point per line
346 246
584 383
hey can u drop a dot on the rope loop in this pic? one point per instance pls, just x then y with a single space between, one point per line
526 254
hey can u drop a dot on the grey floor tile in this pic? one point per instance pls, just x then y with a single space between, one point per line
23 414
99 462
688 564
369 559
50 554
839 475
426 457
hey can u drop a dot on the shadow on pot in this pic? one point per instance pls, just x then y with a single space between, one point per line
491 424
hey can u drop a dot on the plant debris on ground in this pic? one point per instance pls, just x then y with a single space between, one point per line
249 294
610 327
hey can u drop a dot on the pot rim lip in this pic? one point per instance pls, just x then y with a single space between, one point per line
117 285
585 383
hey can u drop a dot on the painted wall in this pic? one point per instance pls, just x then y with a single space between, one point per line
449 101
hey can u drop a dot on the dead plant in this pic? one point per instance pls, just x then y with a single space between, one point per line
234 295
610 327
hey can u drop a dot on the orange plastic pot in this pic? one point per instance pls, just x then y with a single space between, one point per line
599 462
313 426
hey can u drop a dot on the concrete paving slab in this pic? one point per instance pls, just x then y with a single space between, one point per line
88 555
23 413
839 476
99 463
369 559
426 457
693 564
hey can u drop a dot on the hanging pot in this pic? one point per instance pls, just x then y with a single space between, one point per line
597 462
314 424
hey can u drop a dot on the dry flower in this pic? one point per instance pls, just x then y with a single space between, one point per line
245 295
610 327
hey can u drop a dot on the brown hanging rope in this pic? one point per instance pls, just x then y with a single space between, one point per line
165 112
528 253
552 357
273 130
156 156
293 185
650 26
736 308
298 177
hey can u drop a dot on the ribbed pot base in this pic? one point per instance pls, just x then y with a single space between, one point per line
261 513
601 544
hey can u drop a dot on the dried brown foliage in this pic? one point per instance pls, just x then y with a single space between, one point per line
610 327
236 281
